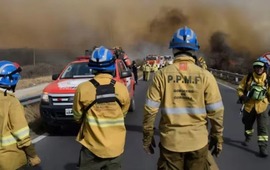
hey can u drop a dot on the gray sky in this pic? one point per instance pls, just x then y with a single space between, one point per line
84 23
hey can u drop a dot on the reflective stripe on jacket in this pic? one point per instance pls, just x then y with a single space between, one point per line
260 105
14 132
187 95
104 132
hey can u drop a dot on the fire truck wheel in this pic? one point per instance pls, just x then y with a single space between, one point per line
132 105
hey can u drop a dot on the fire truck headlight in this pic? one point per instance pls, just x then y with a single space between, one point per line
45 98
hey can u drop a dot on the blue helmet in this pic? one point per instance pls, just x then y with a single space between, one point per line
261 61
184 38
9 74
102 60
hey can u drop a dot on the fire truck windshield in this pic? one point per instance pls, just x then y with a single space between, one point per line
77 70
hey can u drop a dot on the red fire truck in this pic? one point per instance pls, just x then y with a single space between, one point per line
57 98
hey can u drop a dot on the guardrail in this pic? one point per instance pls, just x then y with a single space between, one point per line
234 78
30 100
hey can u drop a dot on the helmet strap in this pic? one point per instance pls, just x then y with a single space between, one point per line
18 70
6 89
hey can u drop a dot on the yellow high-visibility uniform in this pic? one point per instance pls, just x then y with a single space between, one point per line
144 71
155 67
14 132
104 131
259 105
147 72
202 63
255 109
187 95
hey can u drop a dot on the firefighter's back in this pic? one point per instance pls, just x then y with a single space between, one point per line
184 89
105 133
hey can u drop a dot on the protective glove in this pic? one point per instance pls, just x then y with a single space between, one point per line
243 99
33 161
149 149
31 155
148 141
215 145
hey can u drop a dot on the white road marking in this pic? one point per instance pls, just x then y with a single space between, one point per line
39 138
225 85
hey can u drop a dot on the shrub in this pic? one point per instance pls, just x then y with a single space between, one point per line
40 70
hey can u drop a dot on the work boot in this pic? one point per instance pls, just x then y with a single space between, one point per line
246 142
263 151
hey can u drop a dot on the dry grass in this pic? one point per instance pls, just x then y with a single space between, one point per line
33 118
32 112
30 82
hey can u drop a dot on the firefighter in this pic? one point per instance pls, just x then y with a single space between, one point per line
144 71
253 92
212 163
120 54
188 97
16 149
101 105
202 62
155 66
135 71
147 71
127 61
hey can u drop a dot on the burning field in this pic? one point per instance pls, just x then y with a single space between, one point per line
231 34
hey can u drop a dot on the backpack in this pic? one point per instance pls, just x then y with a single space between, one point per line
104 94
256 92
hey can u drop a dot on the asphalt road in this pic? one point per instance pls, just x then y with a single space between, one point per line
60 152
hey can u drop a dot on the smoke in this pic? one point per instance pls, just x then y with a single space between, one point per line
140 27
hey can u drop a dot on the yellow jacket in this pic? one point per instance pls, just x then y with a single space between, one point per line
144 67
14 132
104 131
187 95
147 67
155 67
202 63
259 105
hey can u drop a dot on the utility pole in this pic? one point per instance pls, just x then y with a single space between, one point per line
34 57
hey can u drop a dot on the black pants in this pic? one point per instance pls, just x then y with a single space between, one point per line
136 78
144 73
90 161
262 125
194 160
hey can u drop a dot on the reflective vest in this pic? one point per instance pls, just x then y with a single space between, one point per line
14 132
